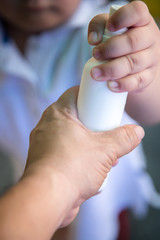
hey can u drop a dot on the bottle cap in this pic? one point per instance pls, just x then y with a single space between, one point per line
113 9
107 34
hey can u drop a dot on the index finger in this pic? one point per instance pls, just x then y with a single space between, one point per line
96 28
131 15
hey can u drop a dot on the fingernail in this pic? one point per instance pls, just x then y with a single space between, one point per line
96 73
140 132
96 53
113 85
93 37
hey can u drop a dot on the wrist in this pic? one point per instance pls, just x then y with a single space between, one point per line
52 182
42 199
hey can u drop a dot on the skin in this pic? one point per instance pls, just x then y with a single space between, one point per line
23 18
135 67
66 165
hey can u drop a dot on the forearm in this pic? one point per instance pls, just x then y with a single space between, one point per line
144 106
34 208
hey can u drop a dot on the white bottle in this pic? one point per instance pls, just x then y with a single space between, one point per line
99 109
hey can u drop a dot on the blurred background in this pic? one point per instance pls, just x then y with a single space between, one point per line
149 228
154 7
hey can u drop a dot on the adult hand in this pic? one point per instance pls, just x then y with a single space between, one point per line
81 158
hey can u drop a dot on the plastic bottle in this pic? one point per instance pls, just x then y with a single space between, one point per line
99 109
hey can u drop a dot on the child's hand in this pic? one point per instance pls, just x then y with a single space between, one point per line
134 56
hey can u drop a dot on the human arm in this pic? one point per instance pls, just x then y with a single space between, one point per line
133 59
66 165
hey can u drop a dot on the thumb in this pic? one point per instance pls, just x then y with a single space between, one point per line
125 139
96 29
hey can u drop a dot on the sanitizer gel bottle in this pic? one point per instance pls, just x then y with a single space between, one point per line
99 109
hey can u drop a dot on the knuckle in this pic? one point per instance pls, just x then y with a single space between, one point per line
140 81
37 132
132 40
129 136
132 62
50 113
110 150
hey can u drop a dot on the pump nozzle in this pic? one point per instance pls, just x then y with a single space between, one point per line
107 34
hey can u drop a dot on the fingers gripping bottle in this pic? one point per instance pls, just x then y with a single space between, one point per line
99 109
